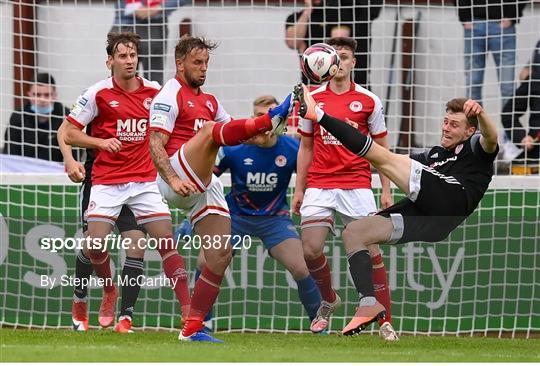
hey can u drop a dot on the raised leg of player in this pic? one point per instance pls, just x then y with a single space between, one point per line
133 268
100 259
201 151
358 236
238 131
218 257
289 253
397 167
313 239
173 262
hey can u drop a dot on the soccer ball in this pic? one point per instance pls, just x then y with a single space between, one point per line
320 63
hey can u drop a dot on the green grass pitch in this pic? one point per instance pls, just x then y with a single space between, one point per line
63 345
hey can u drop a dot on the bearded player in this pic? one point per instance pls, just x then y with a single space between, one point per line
188 126
123 173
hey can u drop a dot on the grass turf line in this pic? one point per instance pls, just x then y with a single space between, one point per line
62 345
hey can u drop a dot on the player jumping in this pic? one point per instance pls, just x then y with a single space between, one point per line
188 126
444 185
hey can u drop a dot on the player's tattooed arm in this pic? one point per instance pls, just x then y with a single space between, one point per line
159 155
158 141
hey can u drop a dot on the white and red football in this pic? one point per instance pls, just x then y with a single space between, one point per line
320 63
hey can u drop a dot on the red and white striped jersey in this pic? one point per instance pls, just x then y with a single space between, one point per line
179 113
333 165
116 113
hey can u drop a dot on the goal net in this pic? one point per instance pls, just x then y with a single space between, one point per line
483 278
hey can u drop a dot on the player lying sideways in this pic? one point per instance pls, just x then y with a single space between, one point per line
443 185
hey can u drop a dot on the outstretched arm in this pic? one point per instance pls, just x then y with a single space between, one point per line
488 130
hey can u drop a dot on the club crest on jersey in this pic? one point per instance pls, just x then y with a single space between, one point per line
190 104
210 106
147 102
114 103
356 106
459 148
280 161
248 161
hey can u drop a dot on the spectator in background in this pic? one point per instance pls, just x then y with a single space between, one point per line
32 130
489 26
527 96
147 18
323 19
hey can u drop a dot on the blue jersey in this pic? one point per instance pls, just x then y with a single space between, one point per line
259 176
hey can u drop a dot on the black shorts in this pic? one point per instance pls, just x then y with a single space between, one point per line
440 207
125 222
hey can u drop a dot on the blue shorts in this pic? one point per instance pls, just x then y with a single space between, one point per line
272 230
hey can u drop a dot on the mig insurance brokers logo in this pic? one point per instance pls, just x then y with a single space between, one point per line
131 129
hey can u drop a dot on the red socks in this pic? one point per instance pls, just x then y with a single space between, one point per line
102 265
320 271
175 270
236 132
204 295
380 284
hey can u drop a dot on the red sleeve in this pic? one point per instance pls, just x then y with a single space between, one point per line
75 122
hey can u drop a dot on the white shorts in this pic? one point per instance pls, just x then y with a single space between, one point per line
143 198
320 205
207 201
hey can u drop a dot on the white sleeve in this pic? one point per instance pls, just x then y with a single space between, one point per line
164 109
376 121
85 108
305 127
221 114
